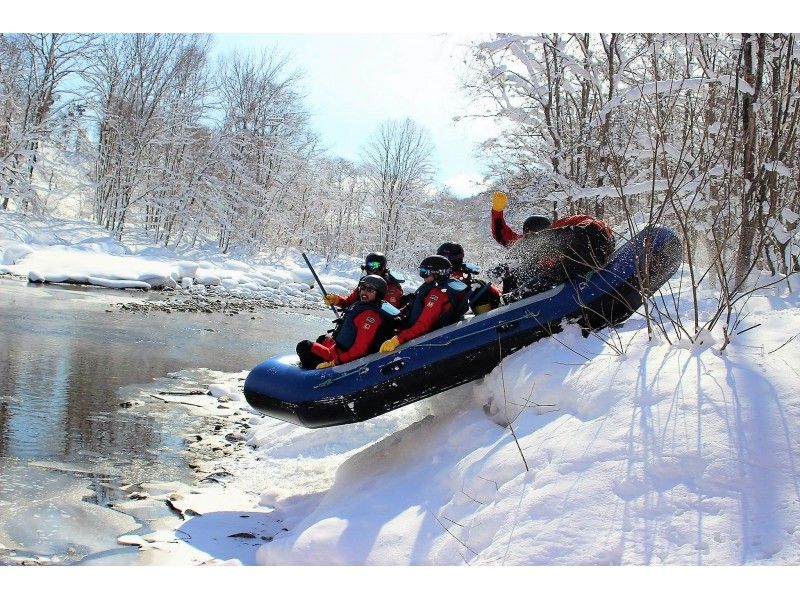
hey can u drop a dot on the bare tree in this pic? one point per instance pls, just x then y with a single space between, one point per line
398 167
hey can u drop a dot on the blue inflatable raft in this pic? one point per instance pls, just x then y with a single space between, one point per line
463 351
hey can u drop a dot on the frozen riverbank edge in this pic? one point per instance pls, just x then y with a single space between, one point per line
165 515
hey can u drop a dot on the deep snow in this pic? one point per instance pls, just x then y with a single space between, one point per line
622 450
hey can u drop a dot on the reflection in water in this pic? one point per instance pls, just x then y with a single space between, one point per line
4 416
63 361
65 389
68 362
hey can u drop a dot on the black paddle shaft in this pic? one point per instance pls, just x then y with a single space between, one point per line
319 282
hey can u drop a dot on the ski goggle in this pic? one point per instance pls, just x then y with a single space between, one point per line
425 272
372 266
368 288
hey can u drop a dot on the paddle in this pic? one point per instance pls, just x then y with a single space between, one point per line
319 282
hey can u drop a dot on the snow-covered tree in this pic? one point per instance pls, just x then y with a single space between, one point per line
698 131
135 81
267 144
39 79
399 169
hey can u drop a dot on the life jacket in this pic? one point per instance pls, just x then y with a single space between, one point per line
457 295
345 332
465 272
394 291
583 220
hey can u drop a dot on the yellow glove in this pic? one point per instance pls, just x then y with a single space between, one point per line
325 364
499 200
481 309
332 299
390 345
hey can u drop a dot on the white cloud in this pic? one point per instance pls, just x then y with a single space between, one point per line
466 185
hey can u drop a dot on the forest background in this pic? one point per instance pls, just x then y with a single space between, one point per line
144 132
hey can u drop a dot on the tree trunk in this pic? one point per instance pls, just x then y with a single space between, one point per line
753 72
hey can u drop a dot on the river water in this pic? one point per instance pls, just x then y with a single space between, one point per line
70 363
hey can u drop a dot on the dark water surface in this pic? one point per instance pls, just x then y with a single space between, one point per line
69 361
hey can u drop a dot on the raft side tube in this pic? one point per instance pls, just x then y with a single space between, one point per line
419 383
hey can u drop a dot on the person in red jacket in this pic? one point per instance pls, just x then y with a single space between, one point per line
440 300
506 236
358 332
564 249
503 233
374 263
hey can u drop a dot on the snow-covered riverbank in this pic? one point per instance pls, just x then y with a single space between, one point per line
69 251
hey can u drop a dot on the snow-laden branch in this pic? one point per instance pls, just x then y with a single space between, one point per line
779 167
666 87
504 42
634 188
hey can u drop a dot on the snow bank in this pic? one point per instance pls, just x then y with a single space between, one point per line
68 251
656 454
13 252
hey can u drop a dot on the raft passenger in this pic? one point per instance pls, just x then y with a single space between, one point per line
359 332
564 249
374 264
440 300
483 296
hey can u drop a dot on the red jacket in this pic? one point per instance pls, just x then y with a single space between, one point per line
583 220
436 304
504 235
501 232
367 323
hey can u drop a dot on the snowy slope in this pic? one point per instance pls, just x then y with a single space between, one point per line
663 454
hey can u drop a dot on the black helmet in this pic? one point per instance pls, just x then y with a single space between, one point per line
374 262
534 224
453 252
376 282
436 265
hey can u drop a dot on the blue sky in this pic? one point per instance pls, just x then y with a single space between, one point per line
356 81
